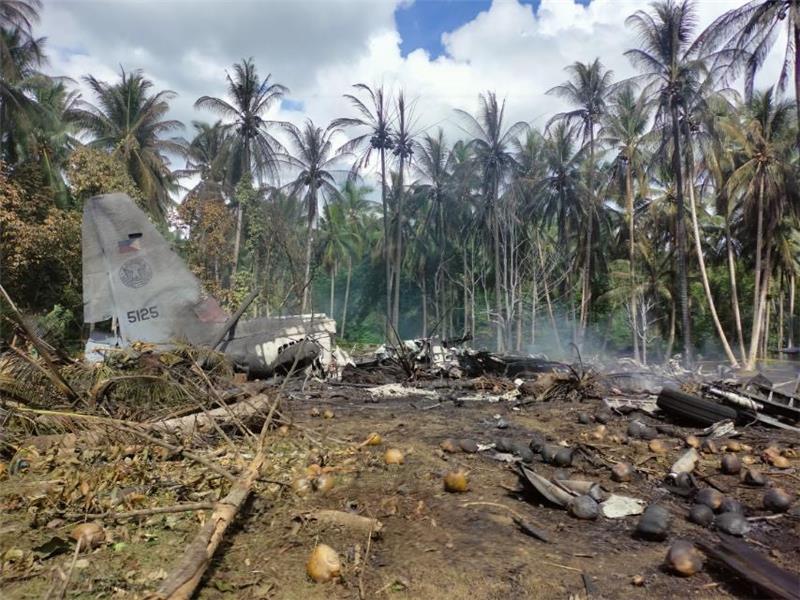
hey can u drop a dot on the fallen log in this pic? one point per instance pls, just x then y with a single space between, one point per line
348 520
203 422
182 582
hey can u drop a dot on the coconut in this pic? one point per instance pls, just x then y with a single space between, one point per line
584 507
732 523
603 417
521 450
710 497
468 446
684 559
733 446
314 412
456 481
549 452
730 464
621 472
450 446
599 432
323 564
313 470
373 439
563 457
780 462
324 482
283 430
732 505
658 446
701 515
328 414
748 459
88 535
584 418
393 456
692 441
302 486
710 446
537 442
754 477
654 523
636 428
777 500
504 444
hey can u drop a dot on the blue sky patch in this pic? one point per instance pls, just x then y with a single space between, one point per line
289 104
422 23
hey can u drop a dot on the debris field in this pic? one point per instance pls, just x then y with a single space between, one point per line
514 477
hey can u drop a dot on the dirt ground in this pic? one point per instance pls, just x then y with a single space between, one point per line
433 544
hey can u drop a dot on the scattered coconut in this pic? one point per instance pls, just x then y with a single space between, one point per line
733 446
584 507
603 417
328 414
89 535
777 500
637 580
732 523
754 477
730 464
537 442
302 486
780 462
456 481
658 446
701 515
599 432
654 523
692 441
584 418
393 456
710 446
323 564
373 439
450 446
621 472
684 559
732 505
549 452
324 482
710 497
748 459
521 450
504 444
636 428
563 457
314 412
313 470
468 446
283 430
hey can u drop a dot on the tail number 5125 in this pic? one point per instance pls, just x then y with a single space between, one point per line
143 314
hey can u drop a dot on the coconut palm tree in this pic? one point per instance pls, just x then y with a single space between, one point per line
253 150
492 150
17 16
625 130
767 183
672 71
374 125
21 58
747 35
313 160
128 121
208 157
587 90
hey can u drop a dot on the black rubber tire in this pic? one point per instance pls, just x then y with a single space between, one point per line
692 408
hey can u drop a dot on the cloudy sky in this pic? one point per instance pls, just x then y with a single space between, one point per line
442 52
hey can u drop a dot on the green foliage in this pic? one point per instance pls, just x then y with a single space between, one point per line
91 172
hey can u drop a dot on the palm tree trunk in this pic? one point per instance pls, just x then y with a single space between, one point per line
498 300
465 284
631 253
734 288
347 292
672 324
386 255
702 263
398 257
547 297
424 307
534 297
760 313
680 235
792 288
586 292
333 289
756 326
796 34
312 205
237 240
781 302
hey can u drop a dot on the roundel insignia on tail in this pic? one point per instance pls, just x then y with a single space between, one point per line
135 273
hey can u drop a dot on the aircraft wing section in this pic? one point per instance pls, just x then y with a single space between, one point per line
131 271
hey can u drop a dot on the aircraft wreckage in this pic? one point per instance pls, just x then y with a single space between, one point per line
137 289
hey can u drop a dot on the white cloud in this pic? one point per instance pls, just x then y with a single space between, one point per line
319 49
